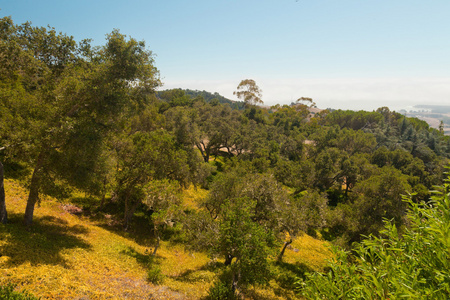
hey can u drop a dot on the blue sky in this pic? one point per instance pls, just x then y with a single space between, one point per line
350 54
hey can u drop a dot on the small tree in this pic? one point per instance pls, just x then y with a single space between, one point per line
249 92
245 241
163 200
143 157
306 212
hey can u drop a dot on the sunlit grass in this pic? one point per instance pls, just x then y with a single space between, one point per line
90 261
192 196
65 256
308 251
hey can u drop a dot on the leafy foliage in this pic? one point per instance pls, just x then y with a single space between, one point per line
78 97
411 265
244 240
8 293
154 274
221 291
248 91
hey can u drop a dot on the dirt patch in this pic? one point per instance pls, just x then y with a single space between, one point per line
129 288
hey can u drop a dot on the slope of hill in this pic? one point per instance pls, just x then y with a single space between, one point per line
432 114
66 256
210 97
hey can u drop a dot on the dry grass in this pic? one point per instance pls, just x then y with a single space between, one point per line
67 257
192 196
308 251
70 257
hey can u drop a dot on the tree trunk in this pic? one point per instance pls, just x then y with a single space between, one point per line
102 202
130 208
280 256
126 214
3 213
157 241
33 196
346 189
201 146
234 284
228 259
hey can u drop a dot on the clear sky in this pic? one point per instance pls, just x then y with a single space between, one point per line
349 54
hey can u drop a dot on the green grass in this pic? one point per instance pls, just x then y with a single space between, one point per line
65 257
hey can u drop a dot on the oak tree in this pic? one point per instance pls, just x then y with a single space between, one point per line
62 98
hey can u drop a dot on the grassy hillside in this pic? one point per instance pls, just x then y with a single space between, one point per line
64 256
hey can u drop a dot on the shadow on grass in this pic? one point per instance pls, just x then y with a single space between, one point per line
110 218
212 266
205 273
144 259
40 244
286 276
88 204
139 230
297 269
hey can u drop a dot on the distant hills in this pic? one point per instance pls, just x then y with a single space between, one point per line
209 97
432 114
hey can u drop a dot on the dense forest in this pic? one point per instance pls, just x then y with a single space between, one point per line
81 119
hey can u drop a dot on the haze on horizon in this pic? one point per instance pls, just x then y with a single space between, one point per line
346 54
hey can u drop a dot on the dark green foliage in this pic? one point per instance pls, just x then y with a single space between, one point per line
411 265
215 98
355 120
154 274
287 275
222 289
175 97
377 198
60 100
263 189
8 293
289 118
144 157
235 235
244 243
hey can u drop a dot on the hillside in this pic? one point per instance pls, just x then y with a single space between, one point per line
64 256
209 97
432 114
195 197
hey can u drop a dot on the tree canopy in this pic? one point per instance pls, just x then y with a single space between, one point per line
249 92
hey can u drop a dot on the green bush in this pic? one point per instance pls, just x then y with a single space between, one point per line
221 290
154 275
413 265
7 293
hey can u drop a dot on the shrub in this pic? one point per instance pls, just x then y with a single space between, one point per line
221 290
154 274
414 265
7 293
